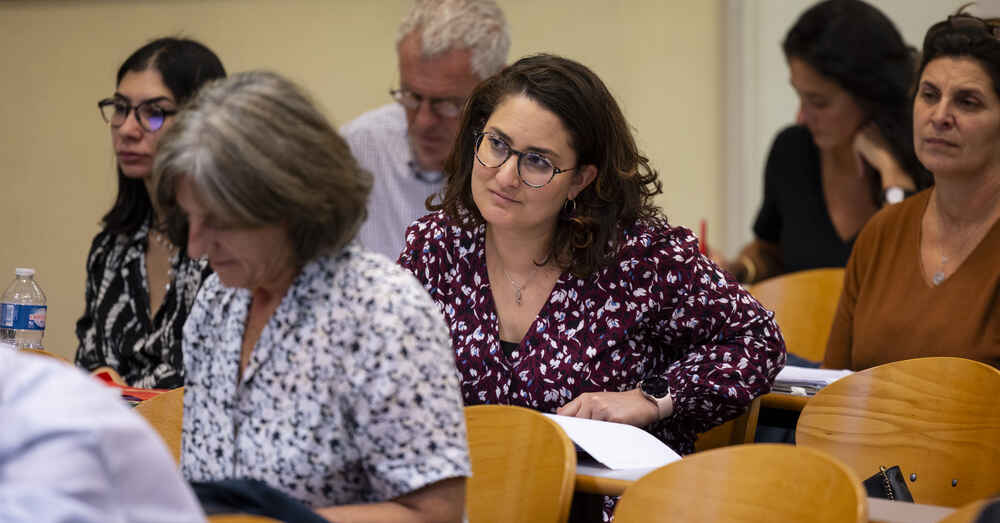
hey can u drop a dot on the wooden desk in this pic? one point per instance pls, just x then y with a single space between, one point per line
782 401
879 510
599 485
611 485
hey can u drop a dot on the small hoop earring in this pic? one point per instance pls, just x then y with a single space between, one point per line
569 209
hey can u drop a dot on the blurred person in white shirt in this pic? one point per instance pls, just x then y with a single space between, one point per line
71 450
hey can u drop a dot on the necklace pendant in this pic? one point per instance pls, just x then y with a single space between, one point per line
937 278
517 296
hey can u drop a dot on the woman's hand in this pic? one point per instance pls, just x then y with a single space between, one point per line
872 148
629 407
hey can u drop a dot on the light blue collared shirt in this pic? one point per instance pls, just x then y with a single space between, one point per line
379 141
71 450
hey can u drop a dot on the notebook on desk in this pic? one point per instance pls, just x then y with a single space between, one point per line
805 381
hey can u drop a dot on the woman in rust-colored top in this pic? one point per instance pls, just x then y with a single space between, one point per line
923 279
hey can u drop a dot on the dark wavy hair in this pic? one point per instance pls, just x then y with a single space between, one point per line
185 65
625 183
964 35
859 48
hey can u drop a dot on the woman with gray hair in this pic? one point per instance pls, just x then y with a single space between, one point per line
311 365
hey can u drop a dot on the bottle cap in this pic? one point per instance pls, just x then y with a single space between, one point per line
23 271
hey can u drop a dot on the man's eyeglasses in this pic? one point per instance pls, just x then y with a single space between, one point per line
443 107
533 169
150 115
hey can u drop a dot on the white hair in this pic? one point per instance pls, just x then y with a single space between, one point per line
476 25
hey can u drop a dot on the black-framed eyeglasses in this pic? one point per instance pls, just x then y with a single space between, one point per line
149 113
534 169
443 107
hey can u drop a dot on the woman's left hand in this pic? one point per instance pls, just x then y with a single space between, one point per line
871 147
629 407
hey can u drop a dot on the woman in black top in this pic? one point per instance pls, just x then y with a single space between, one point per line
851 151
140 286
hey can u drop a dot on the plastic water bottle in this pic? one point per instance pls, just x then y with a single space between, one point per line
22 312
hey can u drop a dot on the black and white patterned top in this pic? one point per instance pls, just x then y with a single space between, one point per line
350 395
116 329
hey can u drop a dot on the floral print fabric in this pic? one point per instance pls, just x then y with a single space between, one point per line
350 394
661 309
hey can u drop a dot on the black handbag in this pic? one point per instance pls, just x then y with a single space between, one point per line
888 483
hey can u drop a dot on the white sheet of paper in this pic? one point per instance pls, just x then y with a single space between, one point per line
808 375
616 445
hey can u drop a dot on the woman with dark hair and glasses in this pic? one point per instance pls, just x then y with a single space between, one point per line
850 152
923 279
140 286
565 288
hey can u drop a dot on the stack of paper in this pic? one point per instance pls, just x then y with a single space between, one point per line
805 381
619 451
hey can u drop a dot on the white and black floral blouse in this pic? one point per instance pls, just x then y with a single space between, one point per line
350 395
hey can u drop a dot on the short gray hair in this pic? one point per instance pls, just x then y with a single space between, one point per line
476 25
259 152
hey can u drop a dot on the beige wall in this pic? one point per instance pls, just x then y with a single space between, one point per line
660 58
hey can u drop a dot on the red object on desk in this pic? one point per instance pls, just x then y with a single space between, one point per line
703 238
131 394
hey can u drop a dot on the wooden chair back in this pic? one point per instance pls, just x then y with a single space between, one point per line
759 483
166 414
47 354
523 466
937 418
804 304
736 431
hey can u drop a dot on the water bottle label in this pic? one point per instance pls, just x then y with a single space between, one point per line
22 317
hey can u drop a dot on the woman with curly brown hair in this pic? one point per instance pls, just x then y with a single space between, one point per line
564 287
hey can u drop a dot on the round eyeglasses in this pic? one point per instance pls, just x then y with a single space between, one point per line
533 169
443 107
150 115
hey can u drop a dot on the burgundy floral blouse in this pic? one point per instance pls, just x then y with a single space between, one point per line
662 309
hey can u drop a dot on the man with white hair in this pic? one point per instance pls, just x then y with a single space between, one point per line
444 48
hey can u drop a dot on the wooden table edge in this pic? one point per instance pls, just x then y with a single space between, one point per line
782 401
603 486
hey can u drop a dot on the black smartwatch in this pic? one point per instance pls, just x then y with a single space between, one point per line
657 390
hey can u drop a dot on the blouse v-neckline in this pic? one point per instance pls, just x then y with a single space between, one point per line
494 311
827 217
261 352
